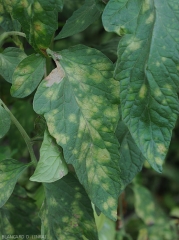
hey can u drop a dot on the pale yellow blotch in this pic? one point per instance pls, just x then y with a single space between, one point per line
51 128
158 161
164 47
49 94
111 202
62 138
37 7
77 196
108 144
53 202
134 46
150 19
145 6
1 18
105 186
143 91
72 118
167 86
55 76
114 213
105 206
65 219
177 67
74 151
164 59
161 148
158 64
151 207
157 92
38 27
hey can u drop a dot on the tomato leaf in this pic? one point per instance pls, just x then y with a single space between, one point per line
27 75
147 68
9 59
10 170
51 165
81 116
80 20
39 20
5 121
67 211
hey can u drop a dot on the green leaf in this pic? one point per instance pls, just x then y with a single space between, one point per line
67 211
51 165
77 101
19 216
5 121
27 75
150 212
147 68
131 158
39 20
9 59
80 20
10 170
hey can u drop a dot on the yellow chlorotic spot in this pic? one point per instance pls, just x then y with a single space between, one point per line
151 207
65 219
74 151
114 214
134 46
143 91
178 67
161 148
150 19
62 138
157 92
145 6
105 206
72 118
167 86
158 161
25 3
49 94
37 7
38 26
53 202
1 18
111 202
105 186
164 59
157 63
51 128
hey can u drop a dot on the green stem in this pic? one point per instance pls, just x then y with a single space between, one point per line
7 34
23 133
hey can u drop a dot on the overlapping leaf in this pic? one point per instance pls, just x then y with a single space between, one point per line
19 216
9 59
39 20
81 19
10 170
27 75
5 121
67 212
131 158
80 114
147 68
51 165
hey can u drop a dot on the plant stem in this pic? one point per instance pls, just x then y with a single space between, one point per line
7 34
23 133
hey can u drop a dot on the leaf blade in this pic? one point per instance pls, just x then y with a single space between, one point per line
51 166
27 76
10 171
147 71
88 121
80 20
67 198
5 122
9 59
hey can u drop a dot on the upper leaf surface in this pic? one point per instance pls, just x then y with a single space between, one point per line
39 20
10 171
27 75
67 211
148 70
51 165
5 121
80 20
9 59
80 115
131 158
